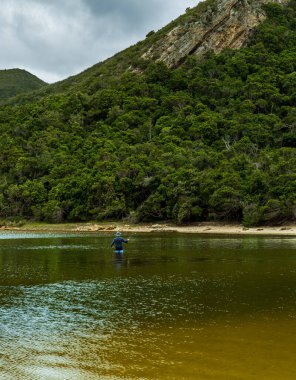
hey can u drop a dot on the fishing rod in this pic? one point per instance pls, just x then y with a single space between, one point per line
129 238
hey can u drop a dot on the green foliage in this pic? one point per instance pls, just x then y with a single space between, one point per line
15 81
213 139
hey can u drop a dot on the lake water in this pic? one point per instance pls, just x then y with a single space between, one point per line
173 306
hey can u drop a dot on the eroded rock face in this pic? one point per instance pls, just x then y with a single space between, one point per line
224 24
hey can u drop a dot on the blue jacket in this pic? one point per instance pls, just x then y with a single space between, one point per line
118 243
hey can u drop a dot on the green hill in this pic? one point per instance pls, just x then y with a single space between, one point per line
108 73
16 81
211 140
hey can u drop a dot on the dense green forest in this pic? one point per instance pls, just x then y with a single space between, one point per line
214 139
16 81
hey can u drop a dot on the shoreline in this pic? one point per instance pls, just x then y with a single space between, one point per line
213 228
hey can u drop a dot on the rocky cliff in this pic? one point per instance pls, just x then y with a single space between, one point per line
220 24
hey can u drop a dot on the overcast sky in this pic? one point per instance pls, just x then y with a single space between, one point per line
54 39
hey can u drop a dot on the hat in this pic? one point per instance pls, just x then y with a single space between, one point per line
118 233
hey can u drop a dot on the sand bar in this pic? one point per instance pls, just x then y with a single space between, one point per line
199 228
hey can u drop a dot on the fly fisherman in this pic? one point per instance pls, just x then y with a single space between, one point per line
117 241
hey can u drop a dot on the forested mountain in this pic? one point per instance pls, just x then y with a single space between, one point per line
16 81
213 138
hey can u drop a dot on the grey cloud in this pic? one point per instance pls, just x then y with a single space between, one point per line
138 14
59 38
133 12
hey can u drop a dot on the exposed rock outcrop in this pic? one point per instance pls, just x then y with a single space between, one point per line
223 24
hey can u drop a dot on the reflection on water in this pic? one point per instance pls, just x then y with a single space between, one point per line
171 307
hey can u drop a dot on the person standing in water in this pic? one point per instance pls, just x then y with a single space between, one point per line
117 241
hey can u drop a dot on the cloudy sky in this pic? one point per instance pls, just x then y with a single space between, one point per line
54 39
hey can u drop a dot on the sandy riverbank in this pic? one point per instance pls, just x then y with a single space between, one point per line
200 228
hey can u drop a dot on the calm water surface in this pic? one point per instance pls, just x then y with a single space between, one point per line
172 307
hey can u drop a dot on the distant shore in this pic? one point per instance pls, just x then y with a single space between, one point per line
198 228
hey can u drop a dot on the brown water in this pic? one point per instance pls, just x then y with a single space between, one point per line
172 307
